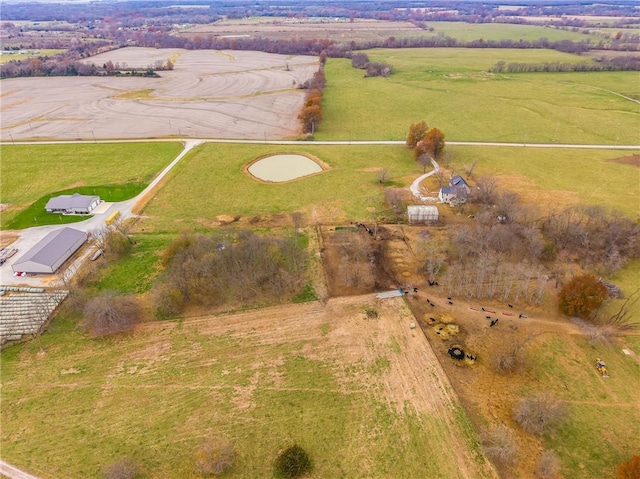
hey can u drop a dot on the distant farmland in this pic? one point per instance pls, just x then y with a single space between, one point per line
208 94
450 87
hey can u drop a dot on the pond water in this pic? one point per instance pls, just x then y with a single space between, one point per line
280 168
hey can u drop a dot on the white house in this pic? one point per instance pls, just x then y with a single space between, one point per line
72 204
456 193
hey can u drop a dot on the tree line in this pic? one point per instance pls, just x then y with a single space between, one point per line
68 63
626 63
311 113
372 69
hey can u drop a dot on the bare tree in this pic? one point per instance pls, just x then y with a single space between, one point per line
511 356
499 443
123 226
540 413
548 466
126 468
395 199
485 191
383 175
622 319
468 169
214 457
110 313
424 160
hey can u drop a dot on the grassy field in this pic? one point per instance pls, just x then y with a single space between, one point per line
29 54
26 170
554 178
493 31
211 182
157 394
604 414
452 91
135 272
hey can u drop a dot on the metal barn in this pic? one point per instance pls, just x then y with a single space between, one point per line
51 251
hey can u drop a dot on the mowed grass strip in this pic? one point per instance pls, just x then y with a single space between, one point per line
29 172
157 394
452 90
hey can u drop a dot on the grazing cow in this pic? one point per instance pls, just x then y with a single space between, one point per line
510 305
449 298
493 323
488 317
483 309
450 302
522 315
433 319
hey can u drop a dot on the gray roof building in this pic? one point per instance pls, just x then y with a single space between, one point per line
51 251
73 204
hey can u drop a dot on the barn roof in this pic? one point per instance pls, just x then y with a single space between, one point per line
52 247
68 202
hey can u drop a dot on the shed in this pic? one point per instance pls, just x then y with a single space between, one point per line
51 251
72 204
422 214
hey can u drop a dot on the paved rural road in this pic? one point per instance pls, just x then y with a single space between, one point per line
30 236
7 470
340 142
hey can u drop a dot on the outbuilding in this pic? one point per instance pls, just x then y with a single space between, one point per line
72 204
51 251
422 214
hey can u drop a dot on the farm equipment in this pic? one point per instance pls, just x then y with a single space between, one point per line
602 368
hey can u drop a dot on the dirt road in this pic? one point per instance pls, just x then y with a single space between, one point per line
11 472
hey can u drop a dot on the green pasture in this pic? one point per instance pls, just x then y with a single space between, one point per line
211 182
157 395
467 32
46 52
604 415
581 176
451 89
31 172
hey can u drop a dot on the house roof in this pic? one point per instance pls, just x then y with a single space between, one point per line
52 247
68 202
458 181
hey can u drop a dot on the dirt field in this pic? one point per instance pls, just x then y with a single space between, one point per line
281 28
487 396
415 383
244 95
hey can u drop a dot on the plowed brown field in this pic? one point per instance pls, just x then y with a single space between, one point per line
239 95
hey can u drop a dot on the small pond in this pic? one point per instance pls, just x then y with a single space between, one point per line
280 168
